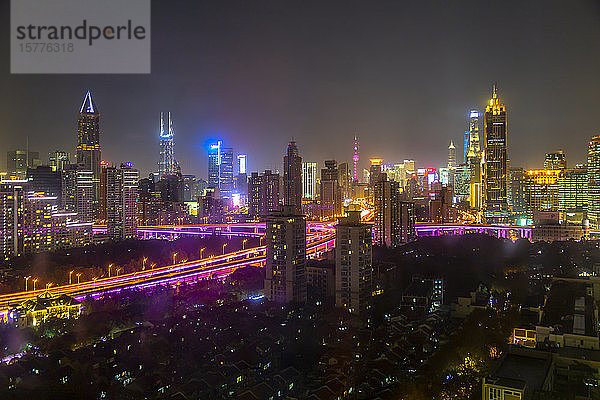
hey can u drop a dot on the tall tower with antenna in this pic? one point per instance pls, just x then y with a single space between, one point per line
355 158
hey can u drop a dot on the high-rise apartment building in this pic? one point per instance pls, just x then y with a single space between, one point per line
285 267
594 182
38 211
263 193
386 197
292 178
407 219
309 180
121 201
353 264
12 195
496 157
355 159
167 165
344 180
88 137
555 160
85 196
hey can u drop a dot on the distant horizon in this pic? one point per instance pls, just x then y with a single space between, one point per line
251 75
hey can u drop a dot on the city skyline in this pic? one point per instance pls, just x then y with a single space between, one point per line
414 119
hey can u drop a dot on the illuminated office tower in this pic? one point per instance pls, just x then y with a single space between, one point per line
285 266
462 182
555 160
121 201
309 180
356 159
292 178
573 194
226 173
409 166
88 137
517 201
11 217
474 145
214 162
353 264
451 156
39 209
85 195
242 159
475 181
496 158
466 139
541 191
331 195
594 182
220 169
58 160
167 165
386 197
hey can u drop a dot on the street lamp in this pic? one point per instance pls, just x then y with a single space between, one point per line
78 275
26 279
152 266
48 285
261 239
70 273
202 251
244 244
174 255
224 245
34 281
109 265
118 270
144 263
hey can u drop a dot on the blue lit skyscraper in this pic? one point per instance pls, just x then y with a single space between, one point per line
167 164
242 163
220 168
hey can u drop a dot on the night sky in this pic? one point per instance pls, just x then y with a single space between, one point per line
401 75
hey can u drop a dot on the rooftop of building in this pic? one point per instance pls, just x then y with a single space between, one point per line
570 309
522 370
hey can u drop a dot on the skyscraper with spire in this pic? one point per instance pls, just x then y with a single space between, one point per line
88 136
355 158
451 155
292 178
495 158
167 165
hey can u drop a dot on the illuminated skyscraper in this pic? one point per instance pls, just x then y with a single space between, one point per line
167 165
555 160
58 159
331 195
292 178
88 137
451 155
121 201
541 191
220 168
496 157
356 159
12 196
242 163
309 180
573 194
474 132
594 182
214 162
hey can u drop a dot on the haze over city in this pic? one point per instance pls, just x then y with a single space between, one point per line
256 75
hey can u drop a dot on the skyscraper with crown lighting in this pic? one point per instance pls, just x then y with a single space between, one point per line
88 136
496 157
